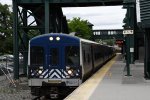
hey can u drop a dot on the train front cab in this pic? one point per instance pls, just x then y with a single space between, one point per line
54 64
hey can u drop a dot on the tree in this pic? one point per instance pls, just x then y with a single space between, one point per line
109 41
6 41
81 27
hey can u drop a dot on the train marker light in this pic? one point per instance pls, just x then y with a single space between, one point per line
67 67
77 74
41 67
57 38
51 38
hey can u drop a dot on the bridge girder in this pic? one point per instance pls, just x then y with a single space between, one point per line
33 20
73 3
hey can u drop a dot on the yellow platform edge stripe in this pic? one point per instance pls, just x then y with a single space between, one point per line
87 88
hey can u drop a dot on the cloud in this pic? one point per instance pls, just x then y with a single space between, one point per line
100 17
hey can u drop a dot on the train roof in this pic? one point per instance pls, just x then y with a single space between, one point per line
87 41
66 38
52 34
52 38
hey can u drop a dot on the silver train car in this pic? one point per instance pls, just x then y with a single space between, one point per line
58 63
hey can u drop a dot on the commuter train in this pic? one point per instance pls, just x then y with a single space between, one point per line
61 62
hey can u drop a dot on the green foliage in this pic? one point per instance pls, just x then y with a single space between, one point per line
81 27
109 41
6 42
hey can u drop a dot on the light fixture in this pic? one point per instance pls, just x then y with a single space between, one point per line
41 67
40 71
57 38
67 67
70 72
51 38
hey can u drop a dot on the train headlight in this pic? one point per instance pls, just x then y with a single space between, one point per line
40 71
70 72
57 38
51 38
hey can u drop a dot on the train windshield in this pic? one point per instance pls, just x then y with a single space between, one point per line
72 55
37 55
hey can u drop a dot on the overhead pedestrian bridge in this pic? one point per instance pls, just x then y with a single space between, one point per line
108 34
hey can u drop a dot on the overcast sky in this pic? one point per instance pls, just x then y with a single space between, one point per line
108 17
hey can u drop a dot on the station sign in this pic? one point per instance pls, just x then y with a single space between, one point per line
131 49
127 31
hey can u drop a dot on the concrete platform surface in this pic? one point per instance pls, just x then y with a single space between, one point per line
114 85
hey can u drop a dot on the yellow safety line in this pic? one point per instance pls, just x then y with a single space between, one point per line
87 88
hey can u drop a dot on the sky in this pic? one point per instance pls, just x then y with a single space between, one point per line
102 17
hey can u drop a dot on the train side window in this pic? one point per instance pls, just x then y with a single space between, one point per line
72 55
54 56
88 58
37 55
84 58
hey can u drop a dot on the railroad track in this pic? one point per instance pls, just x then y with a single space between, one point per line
39 98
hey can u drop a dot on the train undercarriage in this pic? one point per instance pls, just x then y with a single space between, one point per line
52 92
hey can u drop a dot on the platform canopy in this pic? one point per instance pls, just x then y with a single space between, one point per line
74 3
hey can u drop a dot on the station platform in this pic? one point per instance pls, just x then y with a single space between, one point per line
111 83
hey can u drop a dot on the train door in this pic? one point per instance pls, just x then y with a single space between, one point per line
55 65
